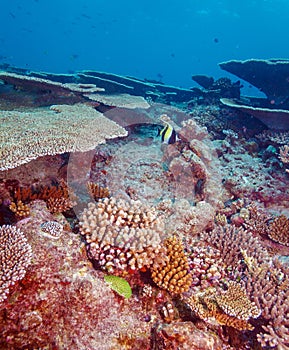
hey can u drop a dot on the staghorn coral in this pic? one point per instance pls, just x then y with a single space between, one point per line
257 223
60 129
121 234
284 155
279 230
277 137
57 196
15 258
59 205
267 285
206 265
173 273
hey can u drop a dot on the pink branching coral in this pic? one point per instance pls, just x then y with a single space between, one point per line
15 257
232 241
267 285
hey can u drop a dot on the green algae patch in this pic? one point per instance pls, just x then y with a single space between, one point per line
119 285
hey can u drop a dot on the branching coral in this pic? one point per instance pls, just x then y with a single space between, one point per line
231 308
96 191
268 286
15 257
257 223
20 209
57 196
206 265
279 230
231 241
122 234
173 273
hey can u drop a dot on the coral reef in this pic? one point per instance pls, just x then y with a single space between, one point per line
96 191
231 308
138 244
274 71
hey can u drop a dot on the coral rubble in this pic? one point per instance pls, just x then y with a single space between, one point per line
111 239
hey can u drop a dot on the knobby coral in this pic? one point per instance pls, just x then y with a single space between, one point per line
121 234
15 257
173 273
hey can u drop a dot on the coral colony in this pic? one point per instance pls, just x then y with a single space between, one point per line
137 215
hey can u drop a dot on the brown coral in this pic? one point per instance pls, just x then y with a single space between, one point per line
57 196
279 230
15 257
97 191
20 209
59 205
173 273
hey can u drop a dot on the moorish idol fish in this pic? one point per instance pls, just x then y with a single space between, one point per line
168 134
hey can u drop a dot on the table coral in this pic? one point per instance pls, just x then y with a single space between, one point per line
213 305
60 129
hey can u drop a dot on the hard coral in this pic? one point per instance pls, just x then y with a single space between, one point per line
52 228
234 302
15 257
224 308
121 234
279 230
96 191
20 209
173 273
61 129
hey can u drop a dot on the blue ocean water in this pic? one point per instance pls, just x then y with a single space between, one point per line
161 40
